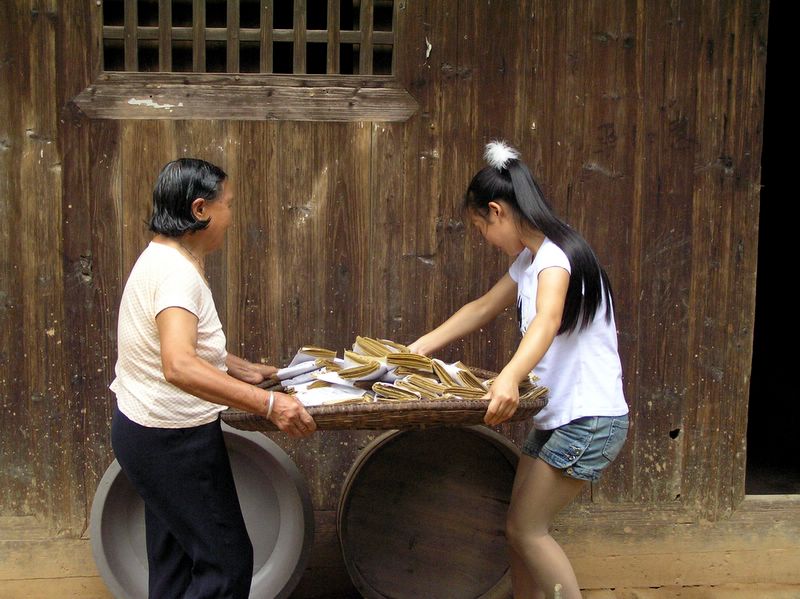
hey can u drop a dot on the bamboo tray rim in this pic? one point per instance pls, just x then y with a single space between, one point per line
390 415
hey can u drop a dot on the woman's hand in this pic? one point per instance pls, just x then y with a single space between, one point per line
289 415
249 372
258 373
503 398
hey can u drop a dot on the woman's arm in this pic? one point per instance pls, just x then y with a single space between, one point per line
177 329
249 372
470 317
550 297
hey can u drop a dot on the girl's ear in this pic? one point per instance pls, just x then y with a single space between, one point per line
496 209
199 209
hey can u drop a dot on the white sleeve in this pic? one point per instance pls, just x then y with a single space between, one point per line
178 289
550 255
518 266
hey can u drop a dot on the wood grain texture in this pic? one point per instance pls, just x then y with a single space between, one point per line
665 236
17 469
641 120
245 97
730 86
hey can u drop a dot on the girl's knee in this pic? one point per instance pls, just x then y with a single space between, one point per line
520 531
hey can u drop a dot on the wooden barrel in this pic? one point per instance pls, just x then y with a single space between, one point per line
422 514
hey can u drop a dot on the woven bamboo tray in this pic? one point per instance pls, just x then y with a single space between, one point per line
391 415
382 416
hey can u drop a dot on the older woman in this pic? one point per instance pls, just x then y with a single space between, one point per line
173 378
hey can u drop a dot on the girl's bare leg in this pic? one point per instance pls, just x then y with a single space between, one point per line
537 562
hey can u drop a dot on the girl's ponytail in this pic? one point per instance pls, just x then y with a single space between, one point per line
508 178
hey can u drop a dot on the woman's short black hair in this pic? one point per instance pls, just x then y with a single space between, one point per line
179 184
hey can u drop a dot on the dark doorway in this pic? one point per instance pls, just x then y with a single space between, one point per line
772 461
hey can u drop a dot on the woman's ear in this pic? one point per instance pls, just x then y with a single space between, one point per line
199 209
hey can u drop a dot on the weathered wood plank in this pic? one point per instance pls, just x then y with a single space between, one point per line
17 471
254 305
265 36
165 35
131 42
419 71
90 261
45 441
603 173
724 247
220 34
146 147
387 189
299 38
199 36
169 98
334 38
665 237
233 36
365 46
96 290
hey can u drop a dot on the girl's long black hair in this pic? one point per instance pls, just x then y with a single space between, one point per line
588 282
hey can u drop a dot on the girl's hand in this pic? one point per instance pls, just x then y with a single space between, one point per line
418 347
504 399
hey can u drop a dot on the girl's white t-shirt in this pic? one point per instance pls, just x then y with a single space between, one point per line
582 369
163 278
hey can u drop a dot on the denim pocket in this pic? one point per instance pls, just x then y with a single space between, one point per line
568 443
617 434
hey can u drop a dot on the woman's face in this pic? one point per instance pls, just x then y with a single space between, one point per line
220 213
499 228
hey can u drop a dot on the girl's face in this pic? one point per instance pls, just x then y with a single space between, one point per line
499 227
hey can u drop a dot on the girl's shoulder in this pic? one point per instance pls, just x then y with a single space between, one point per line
521 263
550 254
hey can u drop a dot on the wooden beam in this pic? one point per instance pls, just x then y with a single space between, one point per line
247 97
164 35
131 36
232 37
117 32
333 37
199 36
265 35
299 38
365 53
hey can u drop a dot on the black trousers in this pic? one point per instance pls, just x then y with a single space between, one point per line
197 543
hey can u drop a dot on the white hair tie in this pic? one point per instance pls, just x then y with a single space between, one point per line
498 154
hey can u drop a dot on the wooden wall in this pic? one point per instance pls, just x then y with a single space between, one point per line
641 119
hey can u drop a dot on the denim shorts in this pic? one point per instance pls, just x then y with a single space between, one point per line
582 448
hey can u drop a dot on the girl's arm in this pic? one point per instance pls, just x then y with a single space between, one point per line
177 329
550 298
469 318
249 372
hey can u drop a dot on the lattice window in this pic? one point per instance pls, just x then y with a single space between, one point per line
326 37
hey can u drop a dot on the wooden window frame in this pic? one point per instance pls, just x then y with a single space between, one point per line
249 96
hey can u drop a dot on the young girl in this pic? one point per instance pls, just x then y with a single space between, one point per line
569 339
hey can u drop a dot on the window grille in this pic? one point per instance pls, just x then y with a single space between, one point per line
325 37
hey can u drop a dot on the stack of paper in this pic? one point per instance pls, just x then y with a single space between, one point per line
382 370
390 392
410 361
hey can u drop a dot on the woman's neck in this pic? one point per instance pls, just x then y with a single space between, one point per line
188 247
